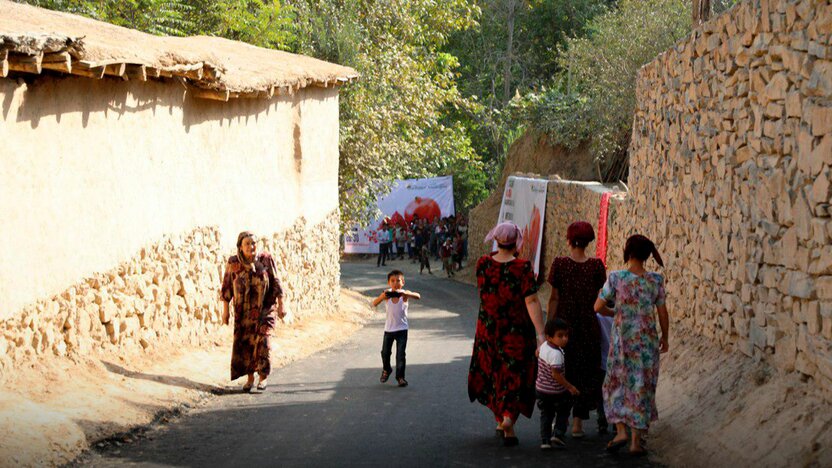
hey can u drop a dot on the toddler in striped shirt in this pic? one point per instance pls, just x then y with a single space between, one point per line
554 392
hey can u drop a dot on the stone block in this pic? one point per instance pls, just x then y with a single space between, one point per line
820 119
811 317
800 285
823 286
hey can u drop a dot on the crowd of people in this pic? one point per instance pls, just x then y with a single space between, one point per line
421 239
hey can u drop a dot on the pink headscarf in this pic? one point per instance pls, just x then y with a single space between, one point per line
505 233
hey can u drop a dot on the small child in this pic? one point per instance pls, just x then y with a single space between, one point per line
553 390
424 259
446 252
395 328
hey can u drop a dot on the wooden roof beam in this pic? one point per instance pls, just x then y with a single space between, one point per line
136 72
26 63
88 69
214 94
116 69
59 61
4 63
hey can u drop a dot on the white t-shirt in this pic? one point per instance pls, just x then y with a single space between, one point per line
550 358
396 315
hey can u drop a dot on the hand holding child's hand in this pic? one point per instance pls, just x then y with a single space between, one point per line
663 345
573 390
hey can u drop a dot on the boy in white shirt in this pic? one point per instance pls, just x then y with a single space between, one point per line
395 328
554 392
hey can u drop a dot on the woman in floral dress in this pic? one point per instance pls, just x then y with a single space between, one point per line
509 330
250 282
633 362
576 281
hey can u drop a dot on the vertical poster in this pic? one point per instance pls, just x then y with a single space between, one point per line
524 204
408 200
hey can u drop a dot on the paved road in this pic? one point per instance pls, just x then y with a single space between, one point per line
330 409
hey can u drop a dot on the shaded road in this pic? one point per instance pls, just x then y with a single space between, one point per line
330 409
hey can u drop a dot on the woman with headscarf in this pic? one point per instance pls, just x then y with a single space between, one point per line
575 281
251 283
509 330
633 360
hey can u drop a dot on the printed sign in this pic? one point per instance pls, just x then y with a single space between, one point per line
524 204
410 199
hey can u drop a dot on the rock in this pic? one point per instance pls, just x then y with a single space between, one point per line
800 285
824 287
820 119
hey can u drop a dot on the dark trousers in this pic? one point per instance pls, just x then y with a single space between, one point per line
553 408
400 337
383 253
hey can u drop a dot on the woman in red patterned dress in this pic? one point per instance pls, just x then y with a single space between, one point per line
250 282
576 281
509 330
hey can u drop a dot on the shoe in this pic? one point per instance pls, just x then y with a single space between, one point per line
578 434
402 382
384 376
545 446
614 446
262 386
557 442
247 388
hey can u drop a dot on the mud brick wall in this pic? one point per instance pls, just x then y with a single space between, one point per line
731 169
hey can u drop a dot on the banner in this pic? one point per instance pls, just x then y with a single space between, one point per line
411 198
524 204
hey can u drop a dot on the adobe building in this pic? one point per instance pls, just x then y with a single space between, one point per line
129 164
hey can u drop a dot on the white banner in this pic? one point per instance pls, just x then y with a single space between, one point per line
422 198
524 204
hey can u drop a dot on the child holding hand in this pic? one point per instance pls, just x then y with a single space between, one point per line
395 328
554 392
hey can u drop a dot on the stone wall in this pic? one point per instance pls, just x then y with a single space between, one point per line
168 290
731 162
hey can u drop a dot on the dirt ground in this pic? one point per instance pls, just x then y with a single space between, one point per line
49 414
717 407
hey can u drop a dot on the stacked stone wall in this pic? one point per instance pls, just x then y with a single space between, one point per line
731 169
168 291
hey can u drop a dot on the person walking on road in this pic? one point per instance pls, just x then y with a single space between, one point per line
576 281
395 327
509 330
250 282
385 242
633 361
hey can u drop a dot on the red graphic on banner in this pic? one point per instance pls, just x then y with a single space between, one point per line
424 208
531 235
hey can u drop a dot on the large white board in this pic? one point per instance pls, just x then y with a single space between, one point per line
524 204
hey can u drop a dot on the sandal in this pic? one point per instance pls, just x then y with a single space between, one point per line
384 376
614 445
262 385
402 382
247 388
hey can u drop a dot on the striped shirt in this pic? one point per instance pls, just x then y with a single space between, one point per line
551 357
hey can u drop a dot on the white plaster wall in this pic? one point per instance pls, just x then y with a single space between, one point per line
91 171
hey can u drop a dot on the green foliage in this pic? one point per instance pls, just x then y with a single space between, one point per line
393 120
539 28
594 94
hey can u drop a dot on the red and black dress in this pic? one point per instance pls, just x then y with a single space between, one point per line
503 364
578 284
254 292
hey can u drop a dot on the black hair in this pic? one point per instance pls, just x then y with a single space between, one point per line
394 273
640 248
507 246
555 325
579 243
